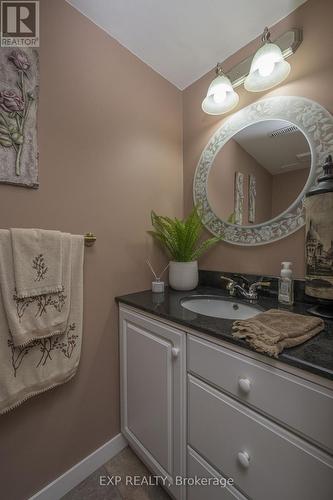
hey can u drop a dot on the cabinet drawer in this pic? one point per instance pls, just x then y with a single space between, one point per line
197 467
299 404
264 460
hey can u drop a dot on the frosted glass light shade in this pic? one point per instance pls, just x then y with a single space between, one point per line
220 97
268 68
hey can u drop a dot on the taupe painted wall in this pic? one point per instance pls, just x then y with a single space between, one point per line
286 188
311 76
110 138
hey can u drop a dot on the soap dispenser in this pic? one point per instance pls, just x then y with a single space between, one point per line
286 285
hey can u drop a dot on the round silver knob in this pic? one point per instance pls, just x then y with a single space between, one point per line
244 459
244 385
175 352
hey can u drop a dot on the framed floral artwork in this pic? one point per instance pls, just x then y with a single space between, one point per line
239 197
252 192
19 80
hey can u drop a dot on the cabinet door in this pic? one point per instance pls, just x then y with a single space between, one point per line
153 384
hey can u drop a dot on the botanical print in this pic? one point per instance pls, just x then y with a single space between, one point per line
239 198
64 343
252 198
40 267
41 303
319 246
18 110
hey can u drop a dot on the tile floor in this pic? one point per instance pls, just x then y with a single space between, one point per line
126 463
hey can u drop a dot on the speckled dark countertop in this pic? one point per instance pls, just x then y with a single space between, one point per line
315 355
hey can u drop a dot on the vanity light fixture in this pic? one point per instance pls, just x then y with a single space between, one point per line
221 96
268 67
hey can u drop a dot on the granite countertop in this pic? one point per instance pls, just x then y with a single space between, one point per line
315 355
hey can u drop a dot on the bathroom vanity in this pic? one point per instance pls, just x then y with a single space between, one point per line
195 402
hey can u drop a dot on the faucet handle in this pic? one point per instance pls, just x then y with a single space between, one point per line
230 286
225 278
230 282
253 289
257 284
263 283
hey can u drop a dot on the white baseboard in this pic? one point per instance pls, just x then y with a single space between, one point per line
71 478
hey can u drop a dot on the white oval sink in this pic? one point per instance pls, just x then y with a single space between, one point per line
217 307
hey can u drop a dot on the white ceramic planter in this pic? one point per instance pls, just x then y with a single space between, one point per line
183 275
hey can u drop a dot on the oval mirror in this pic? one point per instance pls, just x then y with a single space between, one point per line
259 172
253 175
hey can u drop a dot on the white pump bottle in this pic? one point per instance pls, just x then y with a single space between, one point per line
286 284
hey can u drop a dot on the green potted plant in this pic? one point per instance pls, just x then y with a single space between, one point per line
181 240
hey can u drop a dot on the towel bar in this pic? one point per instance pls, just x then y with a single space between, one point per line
89 239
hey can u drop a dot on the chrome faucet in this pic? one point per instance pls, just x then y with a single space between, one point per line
251 293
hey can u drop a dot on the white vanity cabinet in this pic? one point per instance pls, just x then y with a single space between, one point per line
221 412
153 399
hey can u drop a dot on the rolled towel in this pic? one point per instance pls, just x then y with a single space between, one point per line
37 261
274 330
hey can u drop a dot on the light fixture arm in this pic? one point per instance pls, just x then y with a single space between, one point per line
219 70
266 36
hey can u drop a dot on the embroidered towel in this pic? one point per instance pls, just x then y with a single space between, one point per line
44 363
274 330
35 317
37 257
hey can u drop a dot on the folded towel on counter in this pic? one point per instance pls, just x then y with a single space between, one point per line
46 362
37 259
39 316
274 330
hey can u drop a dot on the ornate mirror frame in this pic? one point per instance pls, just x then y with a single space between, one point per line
312 119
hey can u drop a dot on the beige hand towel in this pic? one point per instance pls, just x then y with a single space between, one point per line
37 257
45 363
31 318
274 330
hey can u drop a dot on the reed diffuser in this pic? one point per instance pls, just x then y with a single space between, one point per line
157 286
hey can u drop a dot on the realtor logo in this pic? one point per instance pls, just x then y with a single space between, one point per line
19 25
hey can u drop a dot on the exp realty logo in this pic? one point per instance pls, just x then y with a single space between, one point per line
19 25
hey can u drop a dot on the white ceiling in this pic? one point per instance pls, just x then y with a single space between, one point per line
279 154
184 39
